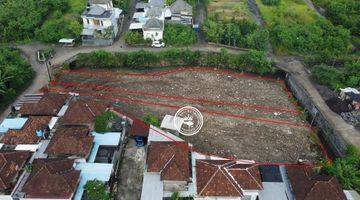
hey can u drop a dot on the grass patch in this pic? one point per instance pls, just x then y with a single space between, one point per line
229 9
102 122
288 11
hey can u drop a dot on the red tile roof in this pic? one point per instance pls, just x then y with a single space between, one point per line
69 141
171 159
139 128
10 164
27 135
82 112
307 185
49 105
226 178
52 178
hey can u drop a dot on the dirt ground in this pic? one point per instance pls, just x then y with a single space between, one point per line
245 116
131 173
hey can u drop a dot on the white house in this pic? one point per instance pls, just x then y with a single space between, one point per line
101 23
153 29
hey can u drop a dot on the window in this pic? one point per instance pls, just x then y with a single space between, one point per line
101 23
87 21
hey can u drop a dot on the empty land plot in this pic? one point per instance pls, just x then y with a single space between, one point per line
244 116
287 12
228 9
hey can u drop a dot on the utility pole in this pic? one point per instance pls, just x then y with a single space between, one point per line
47 68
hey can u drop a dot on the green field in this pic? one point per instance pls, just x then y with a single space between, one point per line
228 9
289 11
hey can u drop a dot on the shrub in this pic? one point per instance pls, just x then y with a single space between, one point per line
102 122
329 76
179 35
151 119
271 2
347 169
96 190
135 38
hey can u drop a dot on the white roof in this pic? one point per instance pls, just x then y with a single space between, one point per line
168 122
66 40
136 26
156 134
152 188
53 122
26 147
118 12
349 89
62 110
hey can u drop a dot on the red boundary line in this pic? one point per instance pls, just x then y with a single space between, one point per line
190 99
210 112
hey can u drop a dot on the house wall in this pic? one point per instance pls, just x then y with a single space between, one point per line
5 197
105 23
252 193
153 34
173 186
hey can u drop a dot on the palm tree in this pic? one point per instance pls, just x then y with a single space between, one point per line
3 79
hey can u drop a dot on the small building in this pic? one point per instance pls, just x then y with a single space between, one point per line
101 23
153 29
181 12
351 95
51 179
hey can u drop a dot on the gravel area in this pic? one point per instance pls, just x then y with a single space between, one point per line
244 116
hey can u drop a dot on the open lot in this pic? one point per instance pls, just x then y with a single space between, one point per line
245 116
227 9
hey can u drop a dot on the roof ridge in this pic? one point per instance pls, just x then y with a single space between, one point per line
254 177
232 182
2 155
209 180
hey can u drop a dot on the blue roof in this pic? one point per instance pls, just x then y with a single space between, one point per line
106 139
12 123
92 171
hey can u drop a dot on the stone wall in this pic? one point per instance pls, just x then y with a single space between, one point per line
332 138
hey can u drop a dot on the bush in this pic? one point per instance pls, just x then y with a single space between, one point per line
122 4
347 169
271 2
102 122
135 38
239 33
252 61
151 119
15 74
179 35
329 76
96 190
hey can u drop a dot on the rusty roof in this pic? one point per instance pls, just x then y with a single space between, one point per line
307 185
226 178
171 159
52 179
139 128
49 105
71 141
27 135
10 164
81 112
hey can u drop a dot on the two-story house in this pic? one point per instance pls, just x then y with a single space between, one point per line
101 23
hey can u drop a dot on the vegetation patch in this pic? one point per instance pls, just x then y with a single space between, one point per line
135 38
102 122
151 119
347 169
229 9
243 33
15 74
122 4
179 35
96 190
252 61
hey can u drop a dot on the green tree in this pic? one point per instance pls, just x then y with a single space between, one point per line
329 76
179 35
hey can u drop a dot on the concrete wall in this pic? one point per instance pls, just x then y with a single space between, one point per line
333 139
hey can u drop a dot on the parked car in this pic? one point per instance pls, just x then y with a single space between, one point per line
157 44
